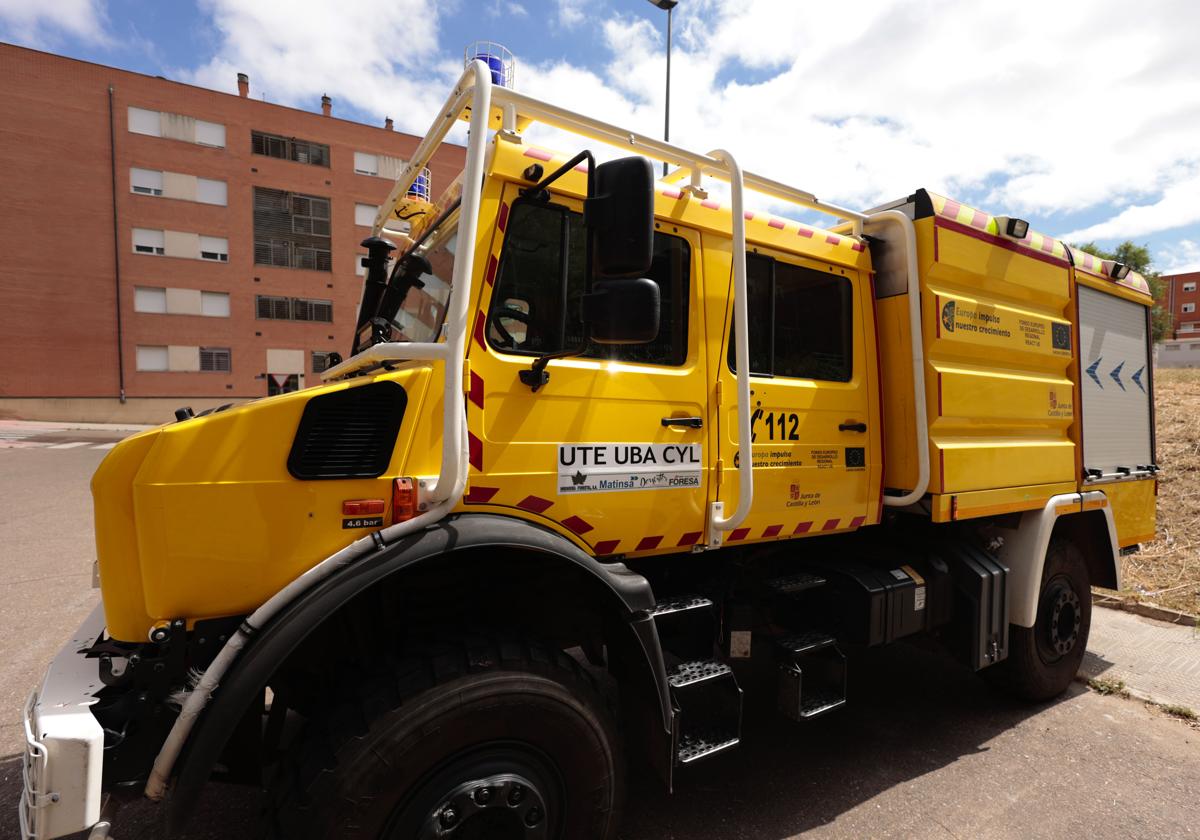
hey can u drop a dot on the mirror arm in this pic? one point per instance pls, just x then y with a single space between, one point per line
537 375
538 190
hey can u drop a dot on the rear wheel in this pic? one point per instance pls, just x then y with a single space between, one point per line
483 739
1044 659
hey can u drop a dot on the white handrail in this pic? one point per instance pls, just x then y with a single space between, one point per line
741 349
908 230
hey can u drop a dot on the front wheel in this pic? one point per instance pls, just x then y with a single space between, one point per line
1044 659
488 739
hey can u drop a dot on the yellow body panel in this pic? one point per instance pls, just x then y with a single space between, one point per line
1133 509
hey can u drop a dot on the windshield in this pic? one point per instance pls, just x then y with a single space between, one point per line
423 309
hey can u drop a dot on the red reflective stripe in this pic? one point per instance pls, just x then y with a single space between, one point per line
805 231
951 209
833 240
672 193
979 220
535 504
830 524
776 223
690 538
857 521
998 241
581 167
475 448
738 534
479 329
476 393
748 214
772 530
480 495
577 525
648 543
858 246
502 219
538 154
607 546
803 528
710 204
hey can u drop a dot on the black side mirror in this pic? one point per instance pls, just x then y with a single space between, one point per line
620 218
622 311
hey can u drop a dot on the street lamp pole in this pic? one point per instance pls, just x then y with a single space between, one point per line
668 5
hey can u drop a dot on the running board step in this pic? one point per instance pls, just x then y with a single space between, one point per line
812 675
708 704
795 584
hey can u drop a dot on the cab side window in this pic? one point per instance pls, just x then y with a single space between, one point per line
801 322
535 307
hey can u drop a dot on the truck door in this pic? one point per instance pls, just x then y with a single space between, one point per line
815 412
613 447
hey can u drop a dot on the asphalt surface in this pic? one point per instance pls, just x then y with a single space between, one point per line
924 749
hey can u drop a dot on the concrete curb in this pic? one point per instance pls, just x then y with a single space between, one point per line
1146 610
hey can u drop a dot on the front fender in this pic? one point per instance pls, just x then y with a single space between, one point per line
631 593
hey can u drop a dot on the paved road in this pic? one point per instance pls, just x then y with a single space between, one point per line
923 750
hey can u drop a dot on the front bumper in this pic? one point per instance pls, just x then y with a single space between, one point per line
64 744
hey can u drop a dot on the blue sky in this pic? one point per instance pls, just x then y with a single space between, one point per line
1080 116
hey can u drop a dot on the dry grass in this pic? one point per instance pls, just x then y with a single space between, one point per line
1167 571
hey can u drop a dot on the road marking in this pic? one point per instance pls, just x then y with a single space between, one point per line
70 445
104 446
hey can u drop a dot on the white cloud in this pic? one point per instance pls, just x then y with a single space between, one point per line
1182 259
570 13
969 99
517 10
1178 205
41 24
295 50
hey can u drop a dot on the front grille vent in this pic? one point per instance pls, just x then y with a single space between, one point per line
348 434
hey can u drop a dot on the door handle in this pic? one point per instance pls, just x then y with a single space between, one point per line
852 427
689 422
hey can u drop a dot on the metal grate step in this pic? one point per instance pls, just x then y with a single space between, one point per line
677 605
690 673
698 745
805 641
815 703
795 584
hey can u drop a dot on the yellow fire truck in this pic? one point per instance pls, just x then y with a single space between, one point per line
603 446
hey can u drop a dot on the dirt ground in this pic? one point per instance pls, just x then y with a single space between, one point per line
1167 571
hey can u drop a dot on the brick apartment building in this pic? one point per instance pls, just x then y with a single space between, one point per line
1181 297
168 245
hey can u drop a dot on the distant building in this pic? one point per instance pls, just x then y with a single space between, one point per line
168 245
1182 299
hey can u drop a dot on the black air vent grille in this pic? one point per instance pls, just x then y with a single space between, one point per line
348 434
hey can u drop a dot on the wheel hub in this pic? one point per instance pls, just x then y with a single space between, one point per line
1065 616
505 806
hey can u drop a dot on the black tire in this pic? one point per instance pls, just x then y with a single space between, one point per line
423 740
1044 659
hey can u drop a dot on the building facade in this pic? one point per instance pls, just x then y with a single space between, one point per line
169 245
1181 297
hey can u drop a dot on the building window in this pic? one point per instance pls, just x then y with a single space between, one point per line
364 214
145 181
215 248
1187 327
291 229
366 163
293 309
214 304
321 360
1189 307
289 148
176 127
151 357
803 320
146 241
1171 348
211 192
1190 286
146 299
215 359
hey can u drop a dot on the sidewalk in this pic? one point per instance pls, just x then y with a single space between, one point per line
40 427
1156 661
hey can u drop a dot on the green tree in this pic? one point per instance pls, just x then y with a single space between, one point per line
1138 258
